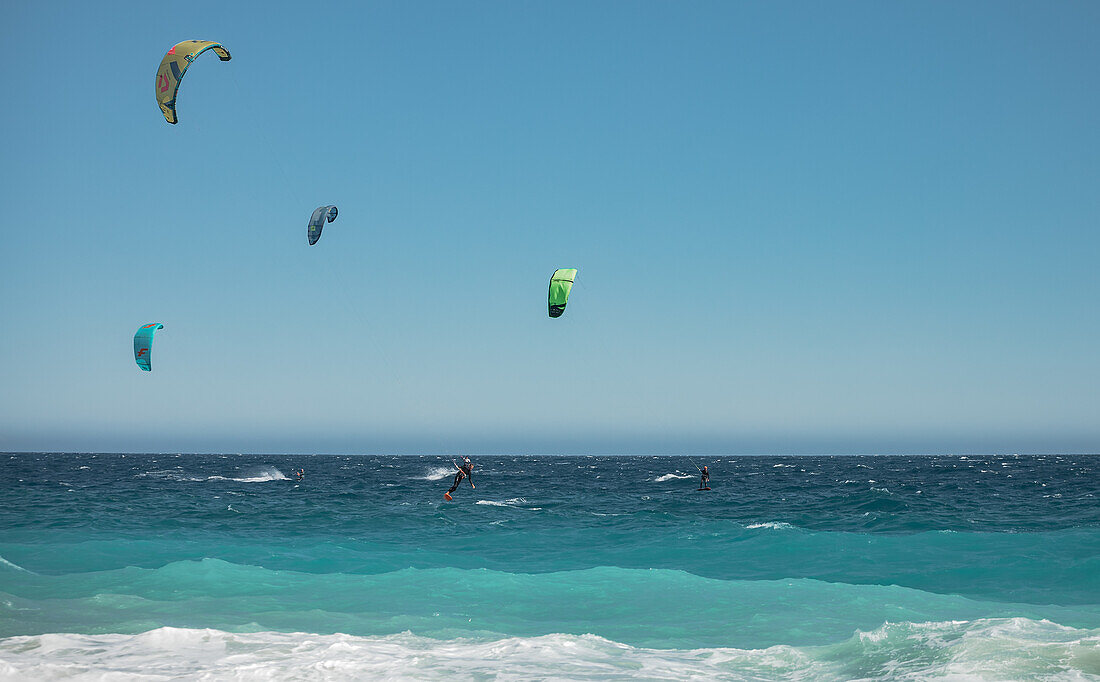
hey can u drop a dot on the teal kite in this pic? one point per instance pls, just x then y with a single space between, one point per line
143 345
561 283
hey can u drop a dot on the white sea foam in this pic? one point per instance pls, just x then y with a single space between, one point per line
261 474
669 477
773 525
171 653
1010 648
437 473
515 502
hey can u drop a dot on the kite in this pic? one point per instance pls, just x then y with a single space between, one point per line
561 283
174 66
143 345
317 221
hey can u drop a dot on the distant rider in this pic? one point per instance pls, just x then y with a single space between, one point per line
704 482
464 471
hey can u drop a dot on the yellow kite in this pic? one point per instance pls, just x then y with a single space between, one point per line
174 65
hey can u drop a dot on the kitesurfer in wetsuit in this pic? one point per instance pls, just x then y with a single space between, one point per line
704 482
301 473
464 471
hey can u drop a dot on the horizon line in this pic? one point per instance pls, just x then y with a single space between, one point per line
558 454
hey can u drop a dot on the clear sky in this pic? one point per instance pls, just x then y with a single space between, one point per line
815 227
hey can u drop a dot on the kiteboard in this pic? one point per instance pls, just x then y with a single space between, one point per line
447 496
702 488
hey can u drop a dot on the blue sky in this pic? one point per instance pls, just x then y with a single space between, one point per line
800 227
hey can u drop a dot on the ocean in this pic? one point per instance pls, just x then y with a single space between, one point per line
182 566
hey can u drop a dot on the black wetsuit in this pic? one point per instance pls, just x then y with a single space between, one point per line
705 480
463 471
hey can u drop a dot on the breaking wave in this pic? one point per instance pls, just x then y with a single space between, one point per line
1015 648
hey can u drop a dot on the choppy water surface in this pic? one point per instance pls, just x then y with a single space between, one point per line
791 567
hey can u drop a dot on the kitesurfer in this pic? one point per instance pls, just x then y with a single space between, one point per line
464 471
704 481
301 473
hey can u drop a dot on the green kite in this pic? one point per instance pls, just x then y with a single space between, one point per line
561 283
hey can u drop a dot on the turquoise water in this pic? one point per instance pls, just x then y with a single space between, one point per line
813 567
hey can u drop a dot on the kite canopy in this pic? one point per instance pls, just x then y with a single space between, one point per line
317 221
561 283
143 344
174 65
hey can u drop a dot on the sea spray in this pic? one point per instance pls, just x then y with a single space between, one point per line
437 473
671 477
